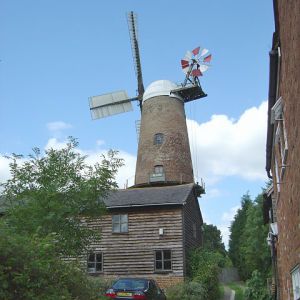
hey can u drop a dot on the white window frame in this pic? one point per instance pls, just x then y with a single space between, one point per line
280 141
120 223
95 261
277 176
276 111
295 273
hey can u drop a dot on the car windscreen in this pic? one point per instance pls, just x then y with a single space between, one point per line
130 284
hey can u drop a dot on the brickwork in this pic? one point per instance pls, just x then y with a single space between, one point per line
164 114
288 200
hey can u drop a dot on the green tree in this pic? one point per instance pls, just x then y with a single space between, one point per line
254 249
212 238
52 193
204 269
237 236
248 249
256 288
48 200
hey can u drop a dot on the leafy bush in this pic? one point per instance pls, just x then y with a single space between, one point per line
256 287
204 269
187 291
30 269
239 290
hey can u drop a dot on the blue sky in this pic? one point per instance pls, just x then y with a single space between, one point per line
55 54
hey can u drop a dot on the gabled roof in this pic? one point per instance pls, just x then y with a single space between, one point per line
149 196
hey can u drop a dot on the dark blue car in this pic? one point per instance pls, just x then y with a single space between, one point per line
135 289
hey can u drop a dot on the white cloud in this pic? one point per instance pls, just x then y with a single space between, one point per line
225 147
229 215
100 142
4 169
224 226
211 193
125 174
58 126
54 143
225 233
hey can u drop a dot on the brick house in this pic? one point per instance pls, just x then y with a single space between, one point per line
282 199
147 232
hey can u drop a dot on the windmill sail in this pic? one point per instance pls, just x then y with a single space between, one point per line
109 104
132 25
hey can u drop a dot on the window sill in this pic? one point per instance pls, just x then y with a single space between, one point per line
95 273
163 271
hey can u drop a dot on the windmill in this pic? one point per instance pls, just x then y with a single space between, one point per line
193 65
163 152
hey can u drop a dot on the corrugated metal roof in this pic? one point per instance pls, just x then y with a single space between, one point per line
149 196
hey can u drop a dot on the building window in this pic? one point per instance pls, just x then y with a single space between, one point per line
120 223
158 139
163 260
95 262
296 282
159 169
281 143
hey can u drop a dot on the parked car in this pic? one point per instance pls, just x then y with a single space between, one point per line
135 289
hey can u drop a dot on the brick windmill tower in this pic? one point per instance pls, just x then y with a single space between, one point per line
164 156
157 221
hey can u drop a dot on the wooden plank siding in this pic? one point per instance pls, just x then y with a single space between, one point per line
192 226
133 253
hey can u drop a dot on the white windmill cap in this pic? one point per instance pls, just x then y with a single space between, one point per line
160 88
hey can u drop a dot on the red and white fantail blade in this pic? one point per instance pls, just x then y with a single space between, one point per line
207 58
203 68
203 52
196 73
196 51
185 70
184 64
188 56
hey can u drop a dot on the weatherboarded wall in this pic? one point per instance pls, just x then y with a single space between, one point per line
192 226
133 253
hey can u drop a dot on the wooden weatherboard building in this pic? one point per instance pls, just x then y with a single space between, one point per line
151 226
148 232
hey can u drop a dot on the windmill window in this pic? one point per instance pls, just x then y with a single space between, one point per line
163 260
95 262
120 223
159 169
281 141
158 139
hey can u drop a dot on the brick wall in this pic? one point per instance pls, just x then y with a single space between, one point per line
164 114
164 282
288 201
